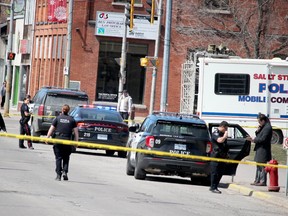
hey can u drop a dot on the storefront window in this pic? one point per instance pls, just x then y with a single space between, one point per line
109 68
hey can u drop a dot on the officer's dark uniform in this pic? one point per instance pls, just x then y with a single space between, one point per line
2 123
64 125
24 127
220 150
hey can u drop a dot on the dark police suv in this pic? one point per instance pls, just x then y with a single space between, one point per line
181 134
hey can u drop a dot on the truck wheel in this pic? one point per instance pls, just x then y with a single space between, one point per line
277 137
139 173
129 168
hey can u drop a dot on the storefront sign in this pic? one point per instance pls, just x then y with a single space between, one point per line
107 97
112 25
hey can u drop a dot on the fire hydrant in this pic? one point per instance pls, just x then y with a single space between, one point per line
273 176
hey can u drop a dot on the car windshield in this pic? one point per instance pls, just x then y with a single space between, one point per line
181 129
97 114
66 99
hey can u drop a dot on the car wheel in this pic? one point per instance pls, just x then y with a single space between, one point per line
110 152
139 173
122 154
129 168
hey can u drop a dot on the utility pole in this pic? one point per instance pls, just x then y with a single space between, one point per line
122 75
166 57
156 51
8 62
66 70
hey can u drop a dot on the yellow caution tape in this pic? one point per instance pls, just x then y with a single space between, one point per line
144 151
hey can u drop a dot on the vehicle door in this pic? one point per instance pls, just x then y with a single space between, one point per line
137 137
239 147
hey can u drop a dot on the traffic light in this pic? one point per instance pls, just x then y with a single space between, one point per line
11 56
144 62
151 10
129 13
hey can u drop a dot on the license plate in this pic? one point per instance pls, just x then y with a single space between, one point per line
102 136
180 147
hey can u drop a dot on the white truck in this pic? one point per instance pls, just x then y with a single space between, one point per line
237 90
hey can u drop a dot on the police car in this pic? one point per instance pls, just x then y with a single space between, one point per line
181 134
101 125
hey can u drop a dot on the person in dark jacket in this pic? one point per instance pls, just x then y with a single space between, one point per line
24 127
220 150
2 124
262 148
63 126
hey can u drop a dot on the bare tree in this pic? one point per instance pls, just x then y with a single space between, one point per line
252 28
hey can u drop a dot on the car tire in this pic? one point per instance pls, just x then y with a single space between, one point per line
129 168
110 152
277 137
139 173
122 154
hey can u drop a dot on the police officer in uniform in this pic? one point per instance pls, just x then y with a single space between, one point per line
220 150
24 127
2 124
63 126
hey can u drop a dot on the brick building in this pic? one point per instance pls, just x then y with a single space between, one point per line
254 29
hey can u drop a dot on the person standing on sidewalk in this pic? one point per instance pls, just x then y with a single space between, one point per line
24 127
220 150
3 94
262 148
124 105
63 126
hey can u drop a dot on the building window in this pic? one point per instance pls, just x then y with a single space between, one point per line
109 68
232 84
216 4
125 1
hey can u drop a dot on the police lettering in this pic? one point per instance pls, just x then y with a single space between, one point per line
65 121
273 88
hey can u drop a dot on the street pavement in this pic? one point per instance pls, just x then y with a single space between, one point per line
241 182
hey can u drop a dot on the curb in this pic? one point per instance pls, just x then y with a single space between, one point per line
279 201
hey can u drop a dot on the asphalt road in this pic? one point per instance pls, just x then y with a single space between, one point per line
98 185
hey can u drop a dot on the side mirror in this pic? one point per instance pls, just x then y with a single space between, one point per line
134 128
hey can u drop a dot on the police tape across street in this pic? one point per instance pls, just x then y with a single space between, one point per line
144 151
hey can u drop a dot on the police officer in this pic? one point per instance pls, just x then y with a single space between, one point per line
2 124
24 127
220 150
63 126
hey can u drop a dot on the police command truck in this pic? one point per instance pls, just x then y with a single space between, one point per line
237 90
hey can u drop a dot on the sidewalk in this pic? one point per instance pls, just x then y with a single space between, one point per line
245 175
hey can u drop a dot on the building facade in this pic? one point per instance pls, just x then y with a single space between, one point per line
251 29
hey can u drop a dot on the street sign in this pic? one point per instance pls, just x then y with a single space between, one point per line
66 70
